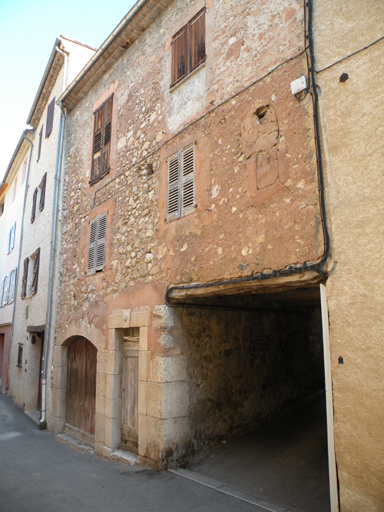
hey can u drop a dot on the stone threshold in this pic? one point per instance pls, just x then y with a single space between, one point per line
75 443
262 505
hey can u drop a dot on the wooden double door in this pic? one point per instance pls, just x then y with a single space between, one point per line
81 385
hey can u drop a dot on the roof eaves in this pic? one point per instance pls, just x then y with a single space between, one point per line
113 43
44 80
20 151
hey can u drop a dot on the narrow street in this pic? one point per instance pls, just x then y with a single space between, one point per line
37 473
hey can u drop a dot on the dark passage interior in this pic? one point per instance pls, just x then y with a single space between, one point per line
256 373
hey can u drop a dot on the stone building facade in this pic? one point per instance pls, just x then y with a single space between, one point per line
254 208
194 235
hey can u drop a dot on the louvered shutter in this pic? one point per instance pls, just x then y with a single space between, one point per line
13 236
2 292
42 194
97 143
107 126
40 141
92 246
188 178
34 201
50 112
179 56
13 285
102 140
35 277
25 278
197 40
173 187
9 239
5 290
101 242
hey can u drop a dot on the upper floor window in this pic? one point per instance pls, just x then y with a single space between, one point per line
38 198
181 188
8 288
49 124
102 124
40 142
11 238
97 244
30 274
188 48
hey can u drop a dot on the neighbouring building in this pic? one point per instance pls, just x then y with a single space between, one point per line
35 289
12 195
349 46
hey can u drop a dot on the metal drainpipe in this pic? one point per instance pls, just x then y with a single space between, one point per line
21 242
48 320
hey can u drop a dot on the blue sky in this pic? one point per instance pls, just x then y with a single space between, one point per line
28 31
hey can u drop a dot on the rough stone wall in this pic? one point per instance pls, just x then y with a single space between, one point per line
244 366
351 114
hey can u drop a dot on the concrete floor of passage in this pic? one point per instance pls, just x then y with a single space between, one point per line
283 461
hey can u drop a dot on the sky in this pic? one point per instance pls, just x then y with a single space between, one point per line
28 31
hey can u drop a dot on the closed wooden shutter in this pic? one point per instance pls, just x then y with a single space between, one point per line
188 179
25 279
35 277
34 201
40 141
102 140
197 40
101 242
92 246
181 189
179 56
50 111
42 193
173 187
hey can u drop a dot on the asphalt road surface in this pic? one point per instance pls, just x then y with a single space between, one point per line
39 474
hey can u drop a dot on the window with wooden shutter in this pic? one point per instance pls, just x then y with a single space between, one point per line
40 142
101 152
25 279
42 192
181 188
4 291
188 48
50 112
11 286
97 244
34 201
35 272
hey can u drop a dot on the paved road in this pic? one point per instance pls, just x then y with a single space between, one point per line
39 474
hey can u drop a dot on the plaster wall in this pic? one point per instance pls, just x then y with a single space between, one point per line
351 116
32 310
13 211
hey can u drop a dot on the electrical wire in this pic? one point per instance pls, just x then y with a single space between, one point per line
350 55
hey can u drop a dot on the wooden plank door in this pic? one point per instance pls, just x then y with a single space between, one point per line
81 385
129 395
